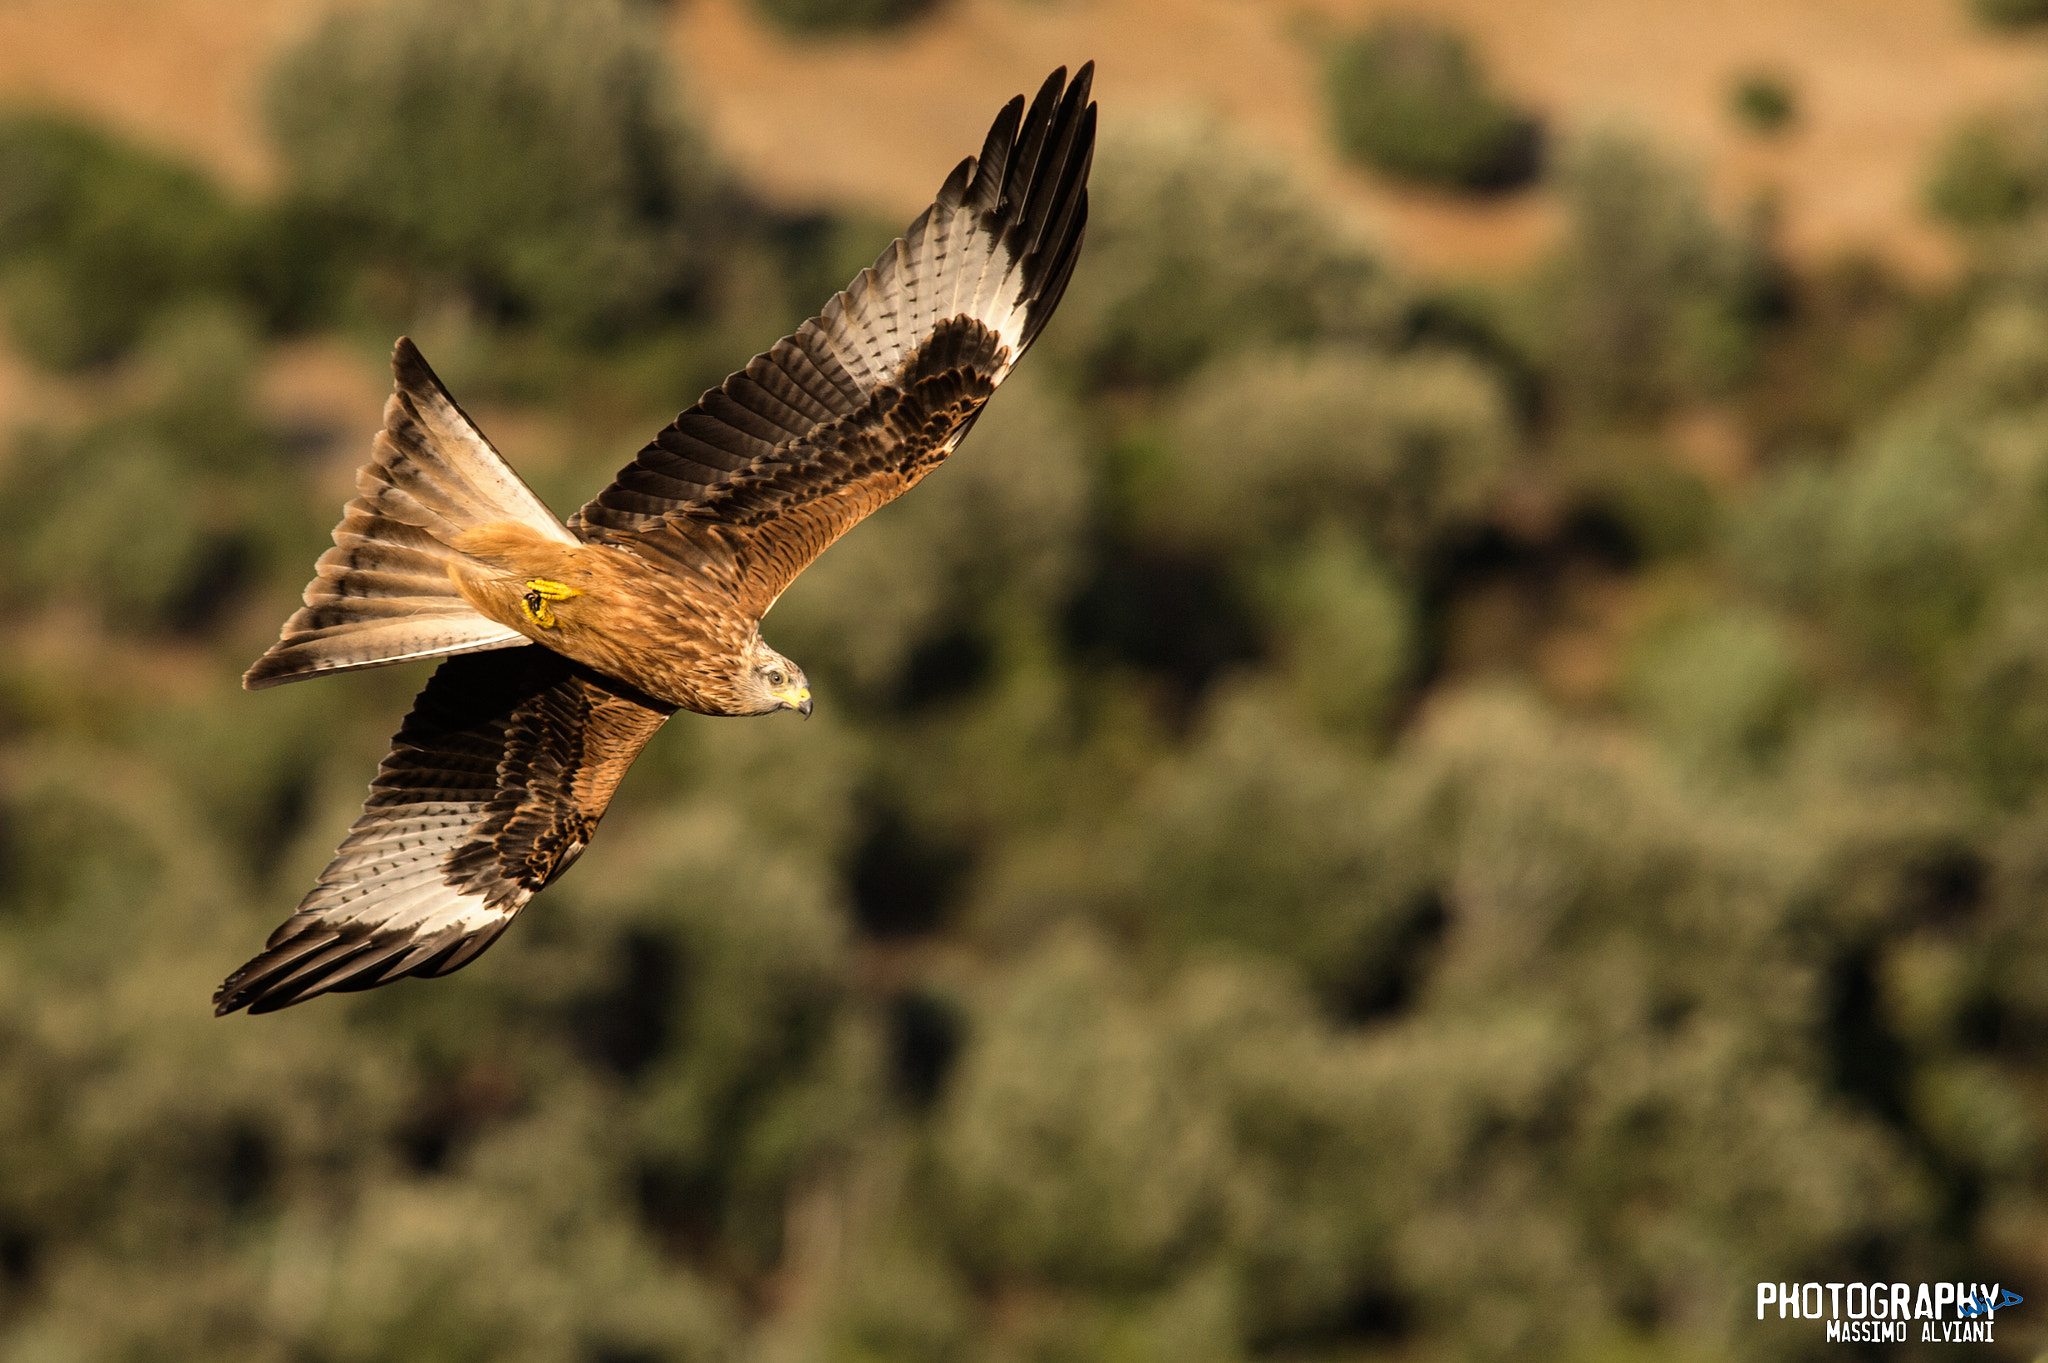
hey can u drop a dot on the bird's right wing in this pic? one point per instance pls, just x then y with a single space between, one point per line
493 787
870 395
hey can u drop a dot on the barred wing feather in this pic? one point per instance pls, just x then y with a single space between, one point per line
493 787
867 397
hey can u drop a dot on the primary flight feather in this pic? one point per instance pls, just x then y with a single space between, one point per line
577 641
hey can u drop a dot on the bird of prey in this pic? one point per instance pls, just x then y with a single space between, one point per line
568 645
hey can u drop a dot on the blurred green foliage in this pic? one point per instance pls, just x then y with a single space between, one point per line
164 516
1199 246
527 151
1333 831
1650 301
97 238
1983 178
1407 97
1399 450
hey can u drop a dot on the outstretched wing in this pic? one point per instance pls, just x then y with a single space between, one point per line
869 396
493 787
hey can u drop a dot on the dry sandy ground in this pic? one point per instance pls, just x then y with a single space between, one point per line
879 121
1881 81
184 74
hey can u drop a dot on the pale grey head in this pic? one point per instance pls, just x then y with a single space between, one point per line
770 682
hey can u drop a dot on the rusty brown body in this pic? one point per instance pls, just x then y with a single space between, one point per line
670 631
675 608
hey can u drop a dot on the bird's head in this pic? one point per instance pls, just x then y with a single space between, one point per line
772 682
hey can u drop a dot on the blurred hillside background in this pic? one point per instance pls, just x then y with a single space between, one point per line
1458 770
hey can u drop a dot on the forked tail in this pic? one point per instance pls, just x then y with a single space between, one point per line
384 593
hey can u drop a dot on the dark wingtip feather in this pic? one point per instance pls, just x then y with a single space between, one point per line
235 992
410 367
1050 211
1025 158
1024 198
293 971
414 375
256 982
954 192
985 191
1040 309
1080 91
268 672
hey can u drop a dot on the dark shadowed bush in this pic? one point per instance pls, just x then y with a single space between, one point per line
1409 98
2010 13
528 152
1764 102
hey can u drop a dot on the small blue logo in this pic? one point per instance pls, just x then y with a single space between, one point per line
1969 1308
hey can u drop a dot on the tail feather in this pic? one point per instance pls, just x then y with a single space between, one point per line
384 593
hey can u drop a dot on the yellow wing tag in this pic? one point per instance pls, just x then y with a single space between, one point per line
539 592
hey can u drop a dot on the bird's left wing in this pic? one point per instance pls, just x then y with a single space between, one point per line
493 787
869 396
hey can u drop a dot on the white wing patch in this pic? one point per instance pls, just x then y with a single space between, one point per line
384 906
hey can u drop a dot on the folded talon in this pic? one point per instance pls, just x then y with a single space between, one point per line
539 592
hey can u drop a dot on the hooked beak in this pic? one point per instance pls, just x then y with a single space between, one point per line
797 699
